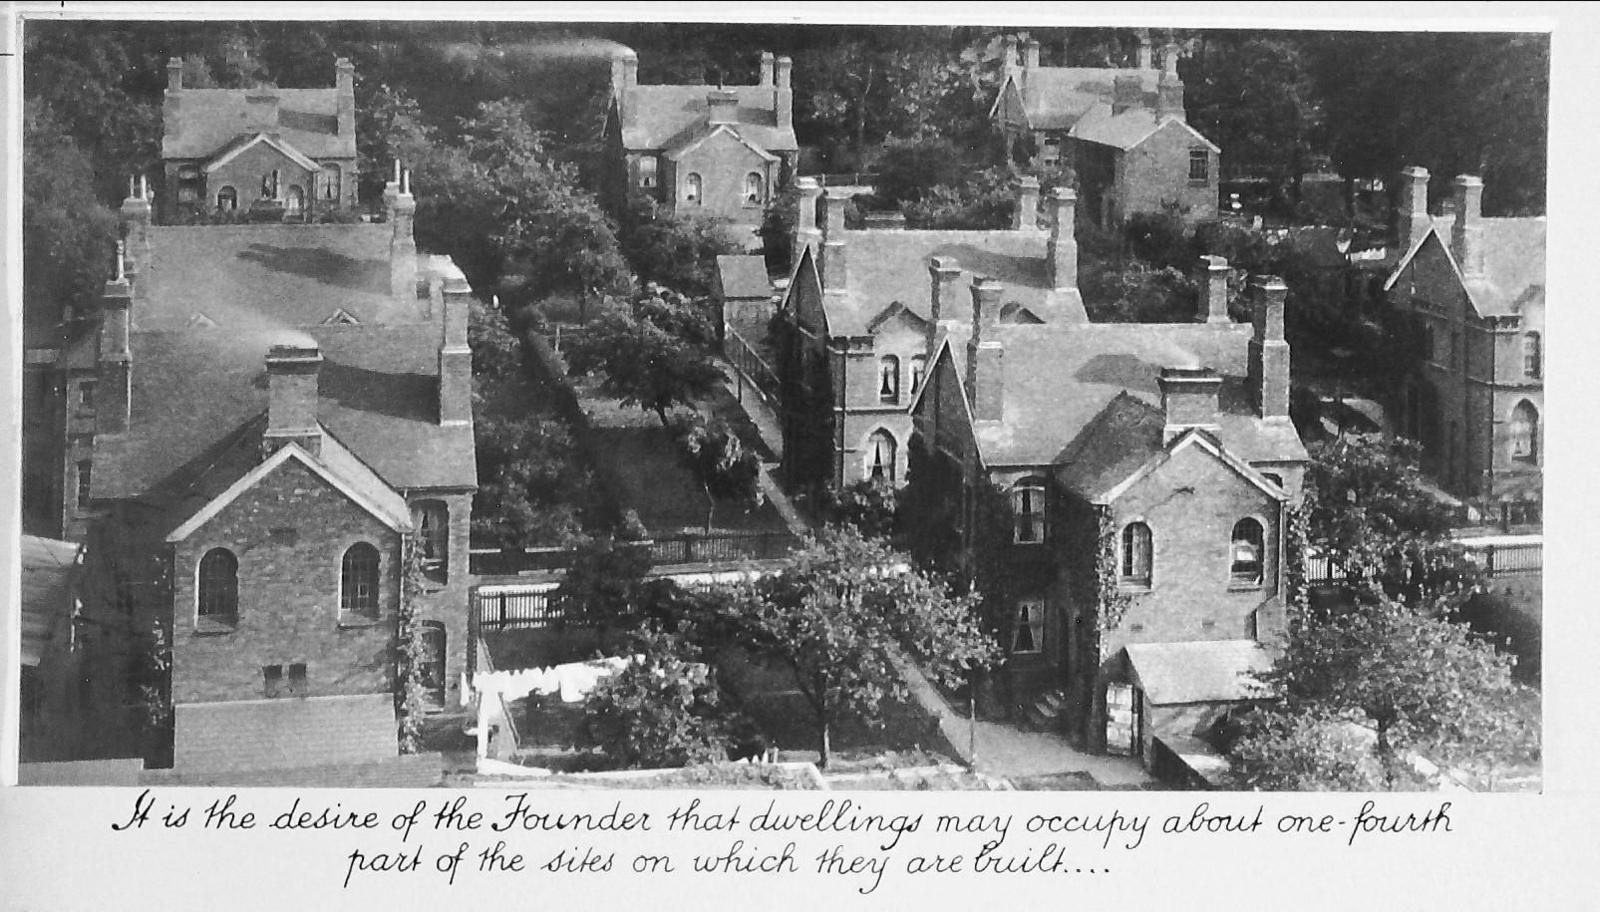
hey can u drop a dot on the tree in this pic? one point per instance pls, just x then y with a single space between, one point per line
67 233
838 615
604 585
868 506
678 251
727 471
642 364
662 710
1425 685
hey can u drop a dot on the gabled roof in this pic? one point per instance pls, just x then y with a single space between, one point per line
1198 439
1131 128
337 467
662 117
1054 98
1513 261
199 122
1203 672
695 141
233 150
743 276
892 311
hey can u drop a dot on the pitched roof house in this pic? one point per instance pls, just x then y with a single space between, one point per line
713 150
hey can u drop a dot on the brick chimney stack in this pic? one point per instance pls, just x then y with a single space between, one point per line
1127 93
1169 93
1466 235
835 273
722 107
985 354
768 62
292 370
783 95
624 74
1269 350
114 396
174 74
1213 281
1030 54
345 85
402 210
1062 251
1008 53
1146 51
1188 399
134 216
1411 214
1026 217
455 356
943 317
806 231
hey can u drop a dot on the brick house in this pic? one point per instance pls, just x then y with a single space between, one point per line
1472 291
264 416
723 151
267 153
1122 131
861 316
1110 488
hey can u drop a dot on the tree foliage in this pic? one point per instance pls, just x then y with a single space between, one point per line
869 506
640 363
838 615
677 251
662 711
727 471
67 234
604 586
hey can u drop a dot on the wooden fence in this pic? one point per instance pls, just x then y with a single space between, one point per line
1496 560
753 369
665 551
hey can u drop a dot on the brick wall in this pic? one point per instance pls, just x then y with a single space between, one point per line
244 175
289 534
448 602
722 163
1156 172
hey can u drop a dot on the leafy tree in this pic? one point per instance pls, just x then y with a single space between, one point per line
1306 752
727 471
868 506
838 615
603 587
67 235
1252 93
639 363
664 710
529 476
678 251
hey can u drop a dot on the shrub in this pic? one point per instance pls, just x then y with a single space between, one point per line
663 710
868 506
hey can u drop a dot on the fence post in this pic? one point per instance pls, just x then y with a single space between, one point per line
1488 554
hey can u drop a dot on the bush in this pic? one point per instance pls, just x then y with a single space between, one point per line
726 469
664 710
979 201
868 506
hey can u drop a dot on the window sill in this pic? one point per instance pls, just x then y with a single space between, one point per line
358 622
1029 543
1245 586
1132 586
215 626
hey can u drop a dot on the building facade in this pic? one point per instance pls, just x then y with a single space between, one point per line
723 151
1471 291
1122 131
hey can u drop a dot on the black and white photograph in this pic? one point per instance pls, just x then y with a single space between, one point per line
608 405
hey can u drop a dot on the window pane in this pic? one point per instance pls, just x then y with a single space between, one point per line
358 591
1246 551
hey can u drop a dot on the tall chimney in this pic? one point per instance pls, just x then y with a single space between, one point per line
345 85
134 216
1269 351
1213 281
1127 93
806 231
1146 53
767 64
114 396
783 95
1030 54
1188 399
1466 235
174 74
292 397
942 304
1008 53
455 356
1169 93
1411 216
722 107
624 75
1063 247
402 208
985 355
835 275
1026 217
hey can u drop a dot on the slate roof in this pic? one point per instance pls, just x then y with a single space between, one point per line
664 117
285 732
199 122
199 399
1127 130
1513 261
49 571
1200 672
891 266
250 277
743 276
1058 379
1055 97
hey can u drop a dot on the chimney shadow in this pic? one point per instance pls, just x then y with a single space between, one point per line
408 396
326 266
1120 369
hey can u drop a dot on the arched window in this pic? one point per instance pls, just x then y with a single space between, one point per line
1136 555
919 370
330 183
358 581
1532 356
294 200
1244 553
1027 512
889 379
647 172
217 585
692 189
1029 633
880 456
431 521
228 199
1525 433
755 189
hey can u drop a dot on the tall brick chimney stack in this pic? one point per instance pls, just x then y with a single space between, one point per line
114 397
806 231
402 212
1062 251
455 357
624 74
345 85
1269 350
1466 235
783 95
1189 398
985 354
174 74
835 272
1169 93
1213 281
942 304
722 107
1008 53
292 370
1127 93
134 216
1026 217
768 62
1146 51
1030 54
1411 213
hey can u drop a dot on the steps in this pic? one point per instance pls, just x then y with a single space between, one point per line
1043 713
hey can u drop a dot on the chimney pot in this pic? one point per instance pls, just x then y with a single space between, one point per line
782 69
